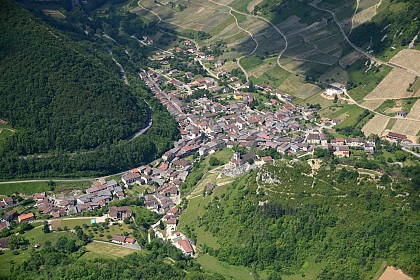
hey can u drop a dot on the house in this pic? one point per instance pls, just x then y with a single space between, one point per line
369 149
396 136
186 247
342 151
402 114
130 240
130 178
4 225
313 138
355 142
209 188
119 239
26 217
119 213
267 159
10 215
171 225
4 245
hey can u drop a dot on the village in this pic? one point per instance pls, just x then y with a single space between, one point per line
214 112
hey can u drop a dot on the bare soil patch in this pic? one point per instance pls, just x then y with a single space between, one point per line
391 273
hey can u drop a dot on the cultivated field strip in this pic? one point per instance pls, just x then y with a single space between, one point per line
373 103
393 86
407 127
376 125
415 111
408 59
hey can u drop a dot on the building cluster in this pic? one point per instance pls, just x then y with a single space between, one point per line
98 195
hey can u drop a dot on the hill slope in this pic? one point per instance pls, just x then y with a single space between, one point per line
56 92
280 217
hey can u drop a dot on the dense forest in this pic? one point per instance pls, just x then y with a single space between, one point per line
71 111
278 218
57 95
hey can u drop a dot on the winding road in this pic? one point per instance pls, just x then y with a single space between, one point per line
373 58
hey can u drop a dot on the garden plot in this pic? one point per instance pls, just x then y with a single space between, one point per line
364 4
349 59
296 86
290 23
252 4
376 125
364 16
408 58
393 86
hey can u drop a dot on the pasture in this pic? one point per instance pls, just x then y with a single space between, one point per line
106 250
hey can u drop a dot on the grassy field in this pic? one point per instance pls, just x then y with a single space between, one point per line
36 235
310 270
347 113
212 264
102 234
108 251
8 260
70 224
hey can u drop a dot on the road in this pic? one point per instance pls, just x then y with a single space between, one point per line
411 152
149 124
392 65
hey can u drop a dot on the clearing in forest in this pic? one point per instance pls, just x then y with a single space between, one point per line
392 273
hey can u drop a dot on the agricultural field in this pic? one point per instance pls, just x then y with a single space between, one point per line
364 16
349 59
408 127
373 103
392 273
296 86
414 113
393 86
376 125
407 58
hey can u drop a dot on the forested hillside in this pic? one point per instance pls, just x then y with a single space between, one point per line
279 218
70 111
57 95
